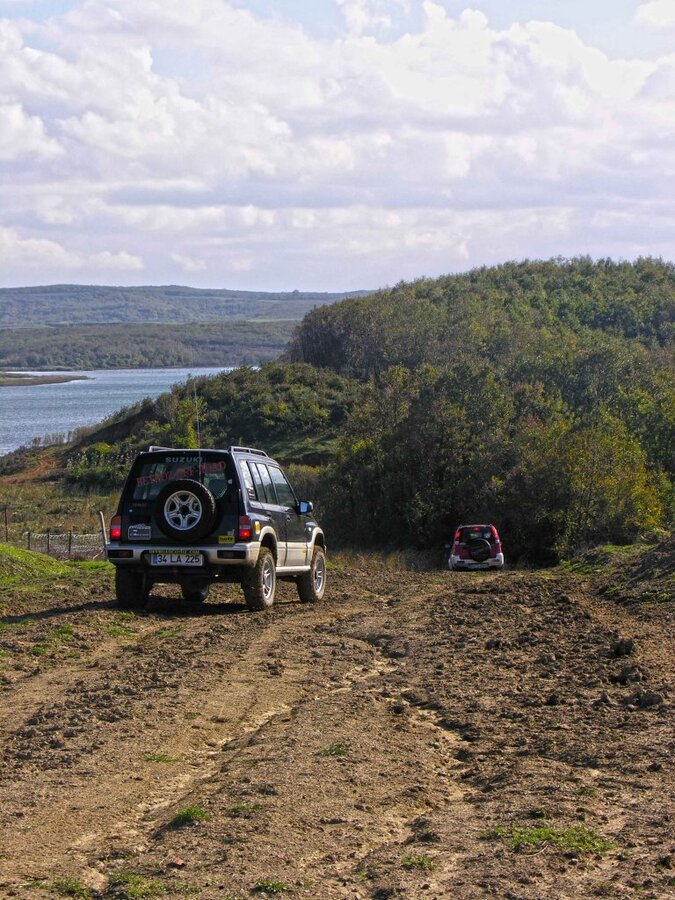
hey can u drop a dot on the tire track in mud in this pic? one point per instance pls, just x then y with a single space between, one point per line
75 777
363 748
273 779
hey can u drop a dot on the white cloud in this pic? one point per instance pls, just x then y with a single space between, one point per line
23 136
368 15
198 138
120 262
20 254
658 14
188 263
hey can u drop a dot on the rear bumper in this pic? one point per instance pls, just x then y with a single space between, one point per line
456 562
215 557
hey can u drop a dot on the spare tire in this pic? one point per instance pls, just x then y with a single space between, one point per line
479 549
185 510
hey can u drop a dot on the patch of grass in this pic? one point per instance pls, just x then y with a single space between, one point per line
338 749
120 631
598 559
170 632
92 565
419 863
62 633
158 757
58 635
367 872
71 887
18 623
269 886
20 567
575 837
191 815
190 716
127 886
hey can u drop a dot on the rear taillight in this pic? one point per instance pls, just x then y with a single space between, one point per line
244 528
116 528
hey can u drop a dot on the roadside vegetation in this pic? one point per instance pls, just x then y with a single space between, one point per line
537 395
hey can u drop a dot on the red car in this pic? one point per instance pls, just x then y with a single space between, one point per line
476 547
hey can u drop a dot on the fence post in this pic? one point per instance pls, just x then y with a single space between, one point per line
29 540
48 541
6 527
70 542
101 519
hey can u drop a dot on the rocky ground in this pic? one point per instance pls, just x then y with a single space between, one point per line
417 734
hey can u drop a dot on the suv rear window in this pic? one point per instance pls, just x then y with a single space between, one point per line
151 476
482 532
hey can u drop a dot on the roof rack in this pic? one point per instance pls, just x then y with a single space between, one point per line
153 447
248 450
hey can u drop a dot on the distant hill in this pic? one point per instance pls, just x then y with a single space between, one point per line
70 304
144 345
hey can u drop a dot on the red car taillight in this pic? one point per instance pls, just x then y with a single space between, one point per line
116 528
244 528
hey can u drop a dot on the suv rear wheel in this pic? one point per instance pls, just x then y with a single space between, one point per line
260 583
131 589
312 584
195 592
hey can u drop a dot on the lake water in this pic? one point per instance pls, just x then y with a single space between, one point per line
36 410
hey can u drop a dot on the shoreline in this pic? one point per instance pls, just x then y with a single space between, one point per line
21 379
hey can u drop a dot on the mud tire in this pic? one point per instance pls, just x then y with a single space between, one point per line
132 589
259 585
195 593
312 585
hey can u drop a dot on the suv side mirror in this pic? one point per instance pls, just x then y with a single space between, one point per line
305 507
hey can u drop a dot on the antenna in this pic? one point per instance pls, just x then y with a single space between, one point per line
200 475
199 430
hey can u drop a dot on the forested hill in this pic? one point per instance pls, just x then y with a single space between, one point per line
504 312
68 304
539 396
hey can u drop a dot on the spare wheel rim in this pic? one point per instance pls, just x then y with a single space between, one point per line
183 510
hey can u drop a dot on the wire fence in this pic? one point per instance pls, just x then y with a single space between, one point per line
65 545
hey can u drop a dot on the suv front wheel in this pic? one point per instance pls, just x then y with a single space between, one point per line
260 583
312 584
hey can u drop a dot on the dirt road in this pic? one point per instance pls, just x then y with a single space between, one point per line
436 735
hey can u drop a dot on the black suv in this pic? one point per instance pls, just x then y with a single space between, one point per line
195 517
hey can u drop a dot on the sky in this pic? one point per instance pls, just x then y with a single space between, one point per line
330 144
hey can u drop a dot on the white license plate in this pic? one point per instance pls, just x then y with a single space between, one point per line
177 558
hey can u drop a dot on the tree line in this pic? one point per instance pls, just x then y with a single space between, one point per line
538 395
